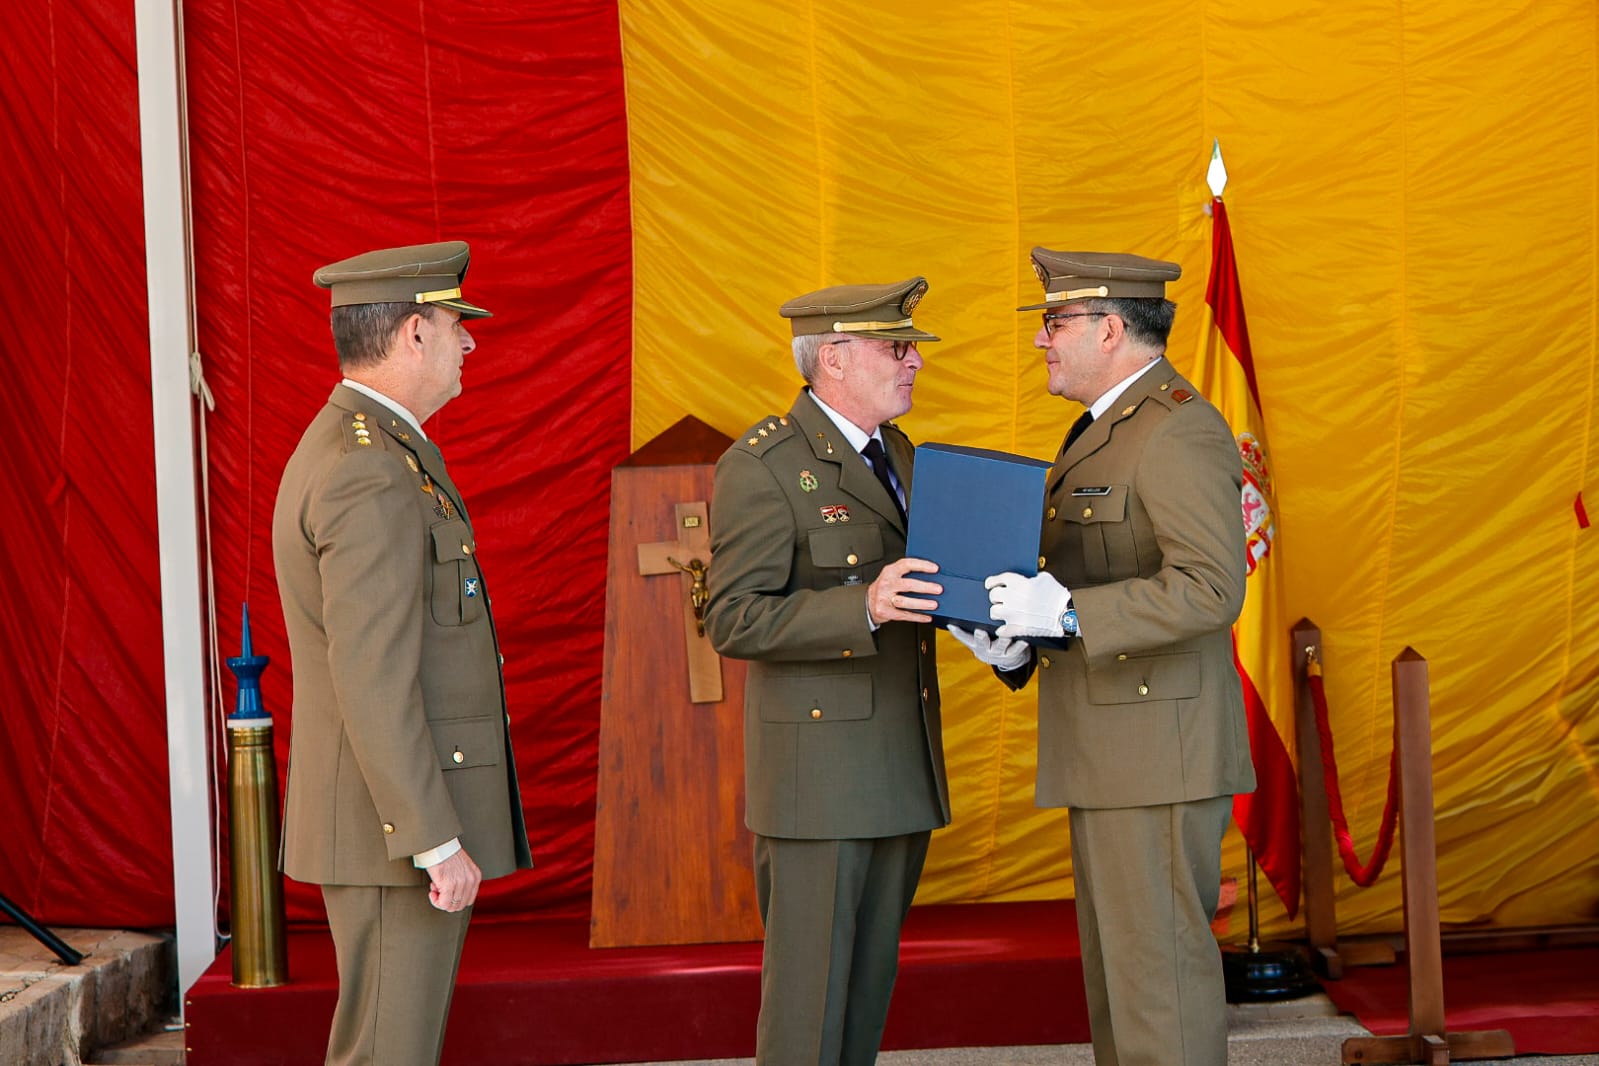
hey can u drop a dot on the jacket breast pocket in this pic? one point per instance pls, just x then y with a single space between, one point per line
1099 513
1146 679
853 552
466 742
816 698
457 584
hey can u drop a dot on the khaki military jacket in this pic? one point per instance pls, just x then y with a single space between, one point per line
1143 524
842 736
399 733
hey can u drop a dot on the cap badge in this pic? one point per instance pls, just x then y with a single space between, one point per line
835 512
808 482
913 298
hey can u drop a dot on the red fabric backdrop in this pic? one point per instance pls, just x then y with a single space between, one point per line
316 131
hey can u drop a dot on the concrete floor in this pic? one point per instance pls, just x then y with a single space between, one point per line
1307 1032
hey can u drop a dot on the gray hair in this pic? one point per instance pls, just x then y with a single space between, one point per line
362 332
1148 319
808 347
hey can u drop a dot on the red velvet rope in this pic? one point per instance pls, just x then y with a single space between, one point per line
1364 876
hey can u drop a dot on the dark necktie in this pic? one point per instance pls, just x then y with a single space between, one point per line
1085 420
878 460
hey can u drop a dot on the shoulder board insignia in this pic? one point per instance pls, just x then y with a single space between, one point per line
766 432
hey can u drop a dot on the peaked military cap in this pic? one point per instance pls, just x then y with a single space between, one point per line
1083 275
417 273
882 311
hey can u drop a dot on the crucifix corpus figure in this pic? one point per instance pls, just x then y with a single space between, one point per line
690 555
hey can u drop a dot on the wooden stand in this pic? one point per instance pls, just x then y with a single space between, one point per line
673 863
1321 923
1427 1042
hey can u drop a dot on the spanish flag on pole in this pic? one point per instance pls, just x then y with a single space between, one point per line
1225 373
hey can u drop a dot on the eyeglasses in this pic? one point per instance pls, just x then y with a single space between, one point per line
1050 320
899 349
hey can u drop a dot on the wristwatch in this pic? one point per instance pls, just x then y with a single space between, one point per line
1068 620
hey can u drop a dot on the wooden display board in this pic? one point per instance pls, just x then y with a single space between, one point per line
673 863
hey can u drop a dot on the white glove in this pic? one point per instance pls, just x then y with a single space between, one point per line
1027 606
1002 652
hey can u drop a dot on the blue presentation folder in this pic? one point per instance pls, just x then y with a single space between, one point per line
974 512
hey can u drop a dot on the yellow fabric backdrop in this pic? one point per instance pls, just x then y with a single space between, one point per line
1414 197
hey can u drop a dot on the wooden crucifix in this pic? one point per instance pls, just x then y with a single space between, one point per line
690 556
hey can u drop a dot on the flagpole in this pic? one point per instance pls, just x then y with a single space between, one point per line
1262 973
1255 972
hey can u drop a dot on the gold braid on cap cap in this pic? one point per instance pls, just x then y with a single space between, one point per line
1077 294
438 294
857 327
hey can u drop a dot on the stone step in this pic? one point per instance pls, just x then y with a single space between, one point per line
163 1047
52 1014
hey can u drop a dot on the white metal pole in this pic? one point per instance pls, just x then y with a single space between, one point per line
166 229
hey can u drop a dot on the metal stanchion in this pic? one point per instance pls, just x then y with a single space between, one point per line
255 888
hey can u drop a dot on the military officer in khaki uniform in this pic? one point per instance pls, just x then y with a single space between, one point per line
1141 727
843 754
402 792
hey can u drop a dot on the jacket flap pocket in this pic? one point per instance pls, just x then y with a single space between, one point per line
1105 503
467 742
451 540
1145 680
847 545
818 698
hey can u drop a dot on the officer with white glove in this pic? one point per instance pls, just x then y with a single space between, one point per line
1030 606
1002 653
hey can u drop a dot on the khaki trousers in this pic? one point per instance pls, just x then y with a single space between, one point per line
397 957
833 911
1148 880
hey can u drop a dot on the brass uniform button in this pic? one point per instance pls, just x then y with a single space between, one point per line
1122 657
1143 690
458 756
847 653
852 558
1043 660
1050 513
388 827
1088 512
360 416
816 712
1041 562
924 647
466 549
924 695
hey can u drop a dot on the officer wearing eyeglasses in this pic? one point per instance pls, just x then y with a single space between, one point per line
1141 727
843 749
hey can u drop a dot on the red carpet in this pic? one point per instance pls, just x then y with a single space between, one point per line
1547 999
534 993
